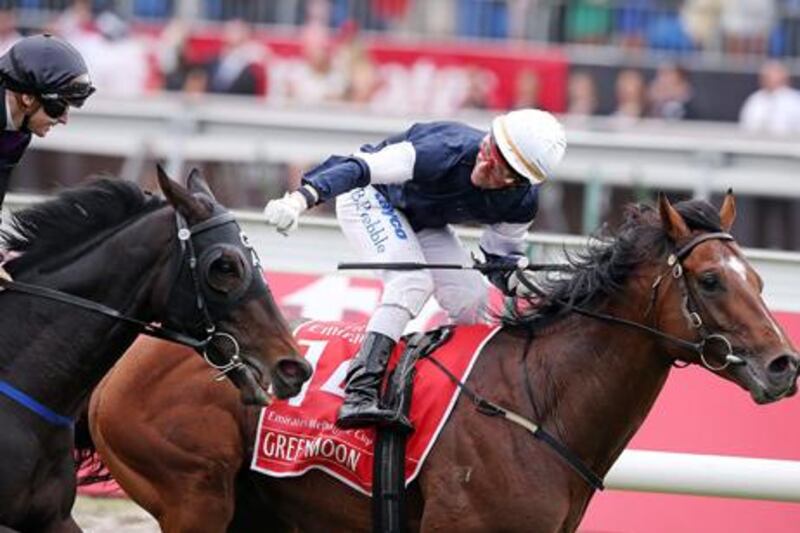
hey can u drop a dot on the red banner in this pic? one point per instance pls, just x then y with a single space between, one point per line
424 70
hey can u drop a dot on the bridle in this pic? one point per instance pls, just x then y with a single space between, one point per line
195 324
192 305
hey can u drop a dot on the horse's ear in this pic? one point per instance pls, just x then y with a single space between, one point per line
728 211
198 184
180 198
672 221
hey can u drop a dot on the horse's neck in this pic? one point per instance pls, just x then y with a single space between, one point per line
73 348
594 382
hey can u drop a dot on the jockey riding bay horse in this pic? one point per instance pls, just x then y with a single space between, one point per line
93 268
586 363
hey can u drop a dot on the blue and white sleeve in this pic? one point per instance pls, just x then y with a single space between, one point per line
394 163
505 238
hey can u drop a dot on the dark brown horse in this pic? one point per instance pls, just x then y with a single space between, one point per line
586 364
95 267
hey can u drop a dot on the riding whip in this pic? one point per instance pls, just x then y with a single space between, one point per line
480 267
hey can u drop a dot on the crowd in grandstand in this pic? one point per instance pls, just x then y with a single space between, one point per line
332 64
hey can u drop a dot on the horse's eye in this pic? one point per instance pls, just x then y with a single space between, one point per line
709 282
225 265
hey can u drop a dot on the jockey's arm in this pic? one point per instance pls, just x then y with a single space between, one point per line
394 163
504 243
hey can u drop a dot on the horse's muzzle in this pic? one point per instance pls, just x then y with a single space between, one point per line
288 376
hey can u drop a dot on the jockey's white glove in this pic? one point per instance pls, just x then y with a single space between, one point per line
284 213
508 281
519 287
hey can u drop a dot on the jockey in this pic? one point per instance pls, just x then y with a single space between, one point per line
396 200
41 77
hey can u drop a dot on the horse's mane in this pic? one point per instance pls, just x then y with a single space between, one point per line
609 258
73 217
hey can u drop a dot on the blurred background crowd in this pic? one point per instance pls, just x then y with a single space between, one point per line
626 61
670 59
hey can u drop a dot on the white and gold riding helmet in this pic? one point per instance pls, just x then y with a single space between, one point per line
532 141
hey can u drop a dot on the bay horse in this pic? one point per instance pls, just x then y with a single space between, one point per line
670 287
93 268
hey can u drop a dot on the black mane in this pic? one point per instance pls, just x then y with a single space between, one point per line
609 258
72 218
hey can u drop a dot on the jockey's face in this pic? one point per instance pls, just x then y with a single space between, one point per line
491 171
40 122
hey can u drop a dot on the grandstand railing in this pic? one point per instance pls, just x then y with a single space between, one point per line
701 158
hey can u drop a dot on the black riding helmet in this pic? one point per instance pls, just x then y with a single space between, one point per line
50 69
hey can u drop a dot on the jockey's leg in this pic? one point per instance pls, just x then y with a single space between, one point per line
461 293
380 234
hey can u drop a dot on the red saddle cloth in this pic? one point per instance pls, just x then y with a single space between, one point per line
299 434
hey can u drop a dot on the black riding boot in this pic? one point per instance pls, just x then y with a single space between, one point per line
364 378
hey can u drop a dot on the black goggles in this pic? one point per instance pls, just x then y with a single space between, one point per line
56 104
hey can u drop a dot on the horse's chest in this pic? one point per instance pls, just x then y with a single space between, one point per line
37 478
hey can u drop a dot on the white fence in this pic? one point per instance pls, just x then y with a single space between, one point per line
706 475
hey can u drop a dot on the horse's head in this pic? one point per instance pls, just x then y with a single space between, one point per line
217 292
718 300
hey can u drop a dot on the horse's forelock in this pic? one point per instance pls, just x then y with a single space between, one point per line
699 215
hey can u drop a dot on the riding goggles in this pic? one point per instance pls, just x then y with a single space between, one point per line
55 104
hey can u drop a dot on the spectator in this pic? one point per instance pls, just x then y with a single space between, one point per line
670 93
75 22
315 79
632 20
477 90
588 21
630 96
110 46
700 19
483 18
363 80
526 89
581 94
8 30
241 67
775 107
746 25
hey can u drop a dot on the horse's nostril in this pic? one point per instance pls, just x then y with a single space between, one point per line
782 365
294 369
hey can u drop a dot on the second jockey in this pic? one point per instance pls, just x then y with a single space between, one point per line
395 202
41 77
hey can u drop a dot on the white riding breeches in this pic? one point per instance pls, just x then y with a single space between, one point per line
382 234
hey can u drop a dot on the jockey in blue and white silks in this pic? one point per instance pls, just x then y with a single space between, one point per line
396 200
